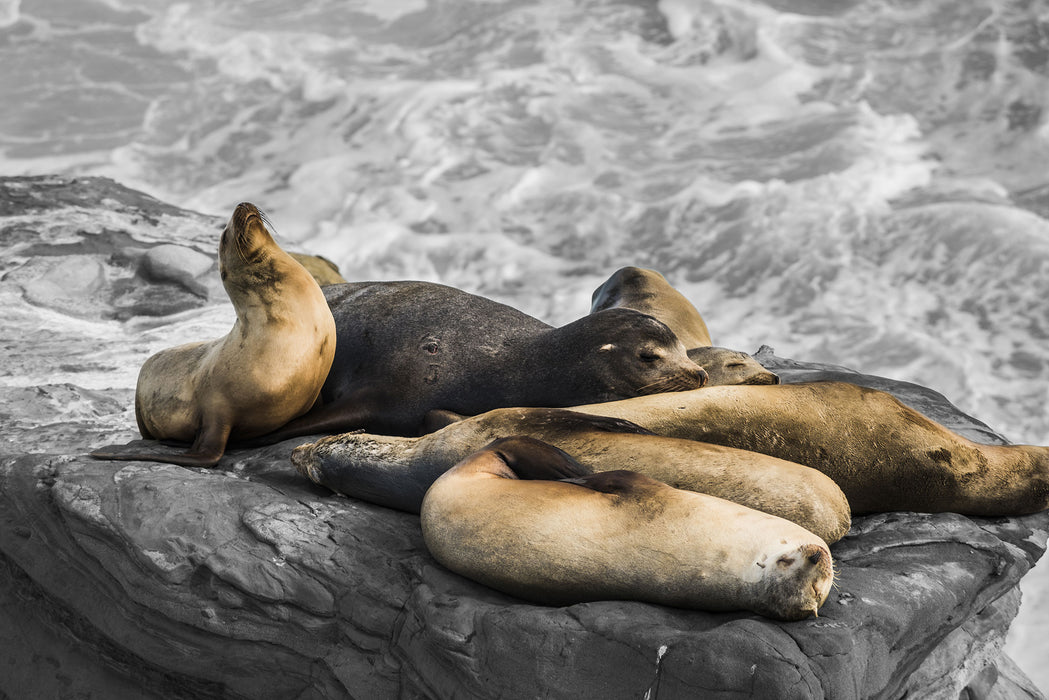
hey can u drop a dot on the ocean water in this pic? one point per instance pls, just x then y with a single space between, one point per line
861 182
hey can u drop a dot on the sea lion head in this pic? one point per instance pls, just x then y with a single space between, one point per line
251 263
795 580
649 292
640 355
246 246
725 367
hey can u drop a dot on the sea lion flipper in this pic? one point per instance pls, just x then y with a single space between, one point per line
206 451
360 410
618 482
186 459
532 459
606 424
439 418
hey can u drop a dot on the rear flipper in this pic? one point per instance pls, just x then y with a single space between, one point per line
529 458
618 482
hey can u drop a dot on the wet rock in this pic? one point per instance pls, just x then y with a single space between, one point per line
147 580
179 264
68 284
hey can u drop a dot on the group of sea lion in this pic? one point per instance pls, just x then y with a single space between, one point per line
620 456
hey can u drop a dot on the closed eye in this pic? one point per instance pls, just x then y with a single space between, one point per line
648 356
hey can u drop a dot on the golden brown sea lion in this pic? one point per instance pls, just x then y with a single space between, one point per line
267 370
396 471
615 536
730 367
884 455
649 292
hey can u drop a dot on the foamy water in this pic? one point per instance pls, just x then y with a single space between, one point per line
856 182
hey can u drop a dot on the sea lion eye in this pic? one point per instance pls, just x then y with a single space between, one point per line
648 356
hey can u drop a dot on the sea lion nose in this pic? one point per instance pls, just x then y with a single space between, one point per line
702 377
816 556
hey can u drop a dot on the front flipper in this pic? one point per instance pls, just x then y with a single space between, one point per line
361 410
206 451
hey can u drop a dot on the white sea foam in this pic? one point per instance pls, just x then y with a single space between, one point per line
9 12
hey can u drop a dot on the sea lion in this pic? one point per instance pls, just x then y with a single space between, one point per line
883 454
323 270
396 471
649 292
267 370
615 535
930 403
406 348
730 367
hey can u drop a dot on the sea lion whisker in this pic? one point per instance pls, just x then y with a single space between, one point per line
657 384
675 382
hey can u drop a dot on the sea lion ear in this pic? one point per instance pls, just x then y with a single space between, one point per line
607 347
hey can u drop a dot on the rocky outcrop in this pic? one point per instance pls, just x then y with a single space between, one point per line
148 580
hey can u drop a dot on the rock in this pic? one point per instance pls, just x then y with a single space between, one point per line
68 284
147 580
178 264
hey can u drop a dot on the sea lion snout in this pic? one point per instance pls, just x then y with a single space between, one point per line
245 210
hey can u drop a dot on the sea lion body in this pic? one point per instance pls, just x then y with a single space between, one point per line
396 471
883 454
649 292
407 348
616 536
267 370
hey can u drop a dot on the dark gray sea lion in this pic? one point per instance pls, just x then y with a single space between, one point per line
615 535
407 348
396 471
266 371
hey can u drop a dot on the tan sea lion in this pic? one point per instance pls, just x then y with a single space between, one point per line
883 454
407 348
267 370
649 292
323 270
396 471
615 536
730 367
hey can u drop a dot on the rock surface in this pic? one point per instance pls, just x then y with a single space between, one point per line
148 580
